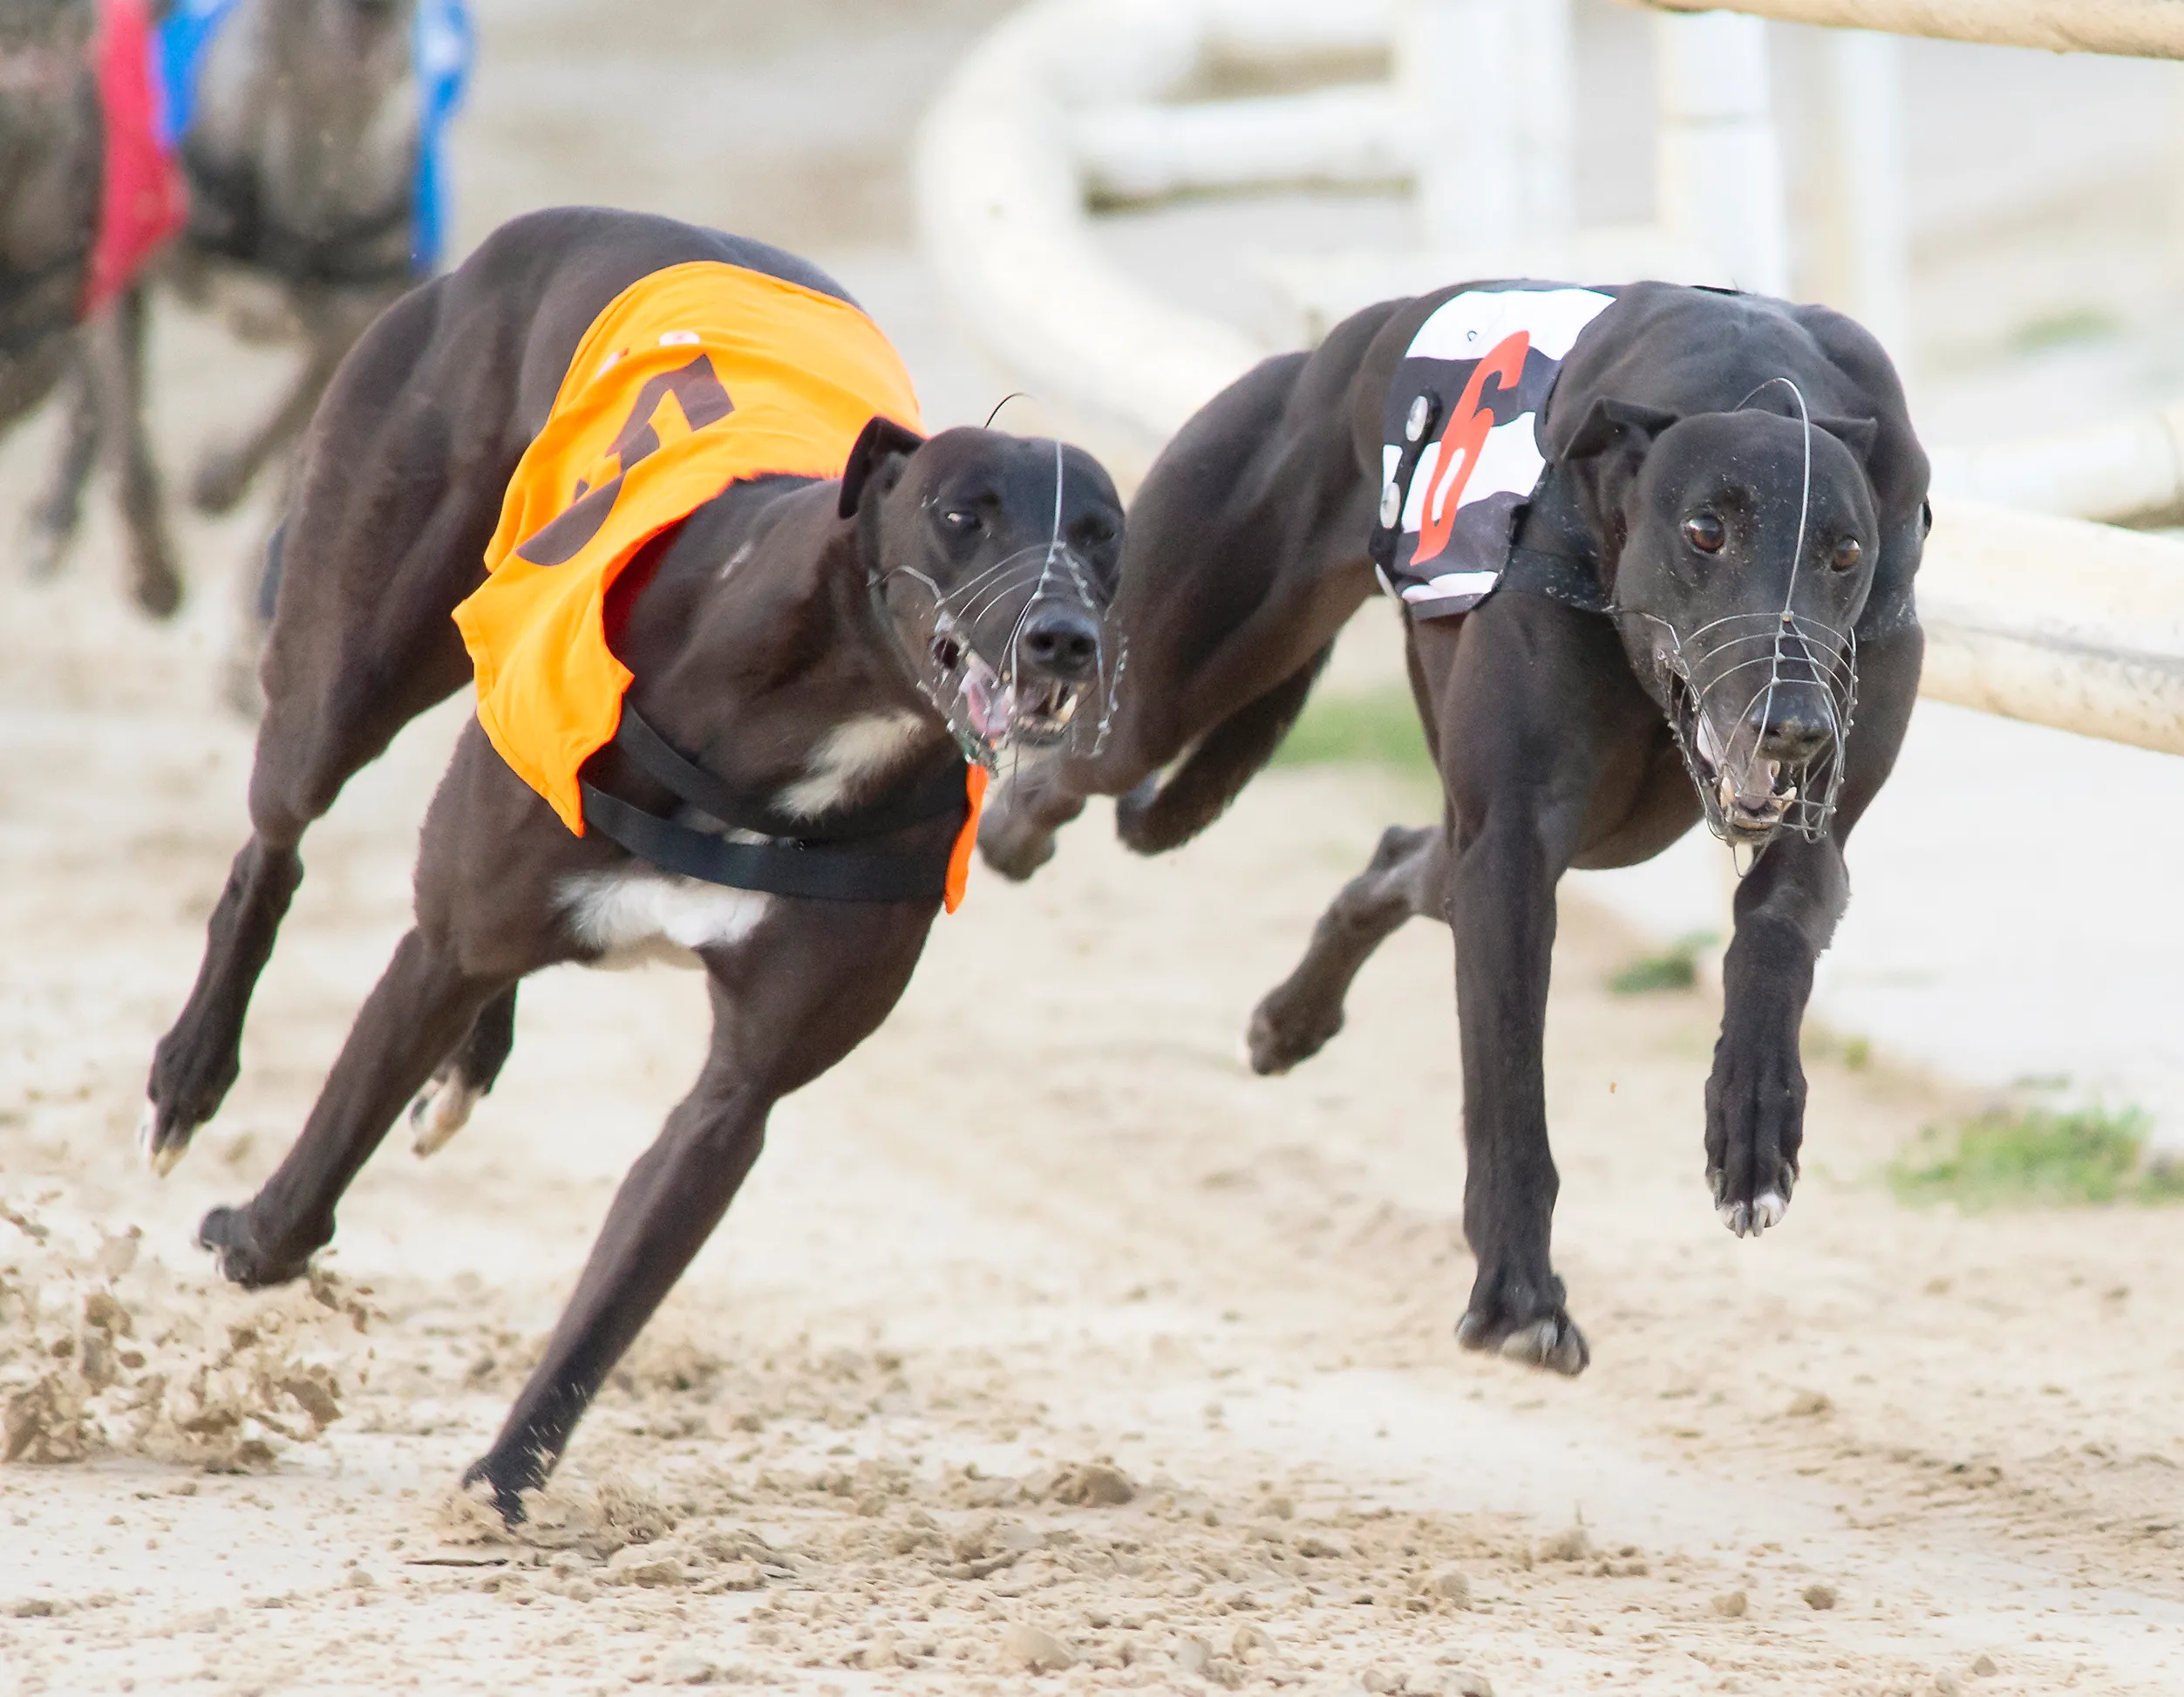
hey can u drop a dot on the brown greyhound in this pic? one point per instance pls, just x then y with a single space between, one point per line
813 660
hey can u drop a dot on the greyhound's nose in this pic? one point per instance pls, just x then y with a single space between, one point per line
1059 642
1796 729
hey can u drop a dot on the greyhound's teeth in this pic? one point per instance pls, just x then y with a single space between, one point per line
1709 749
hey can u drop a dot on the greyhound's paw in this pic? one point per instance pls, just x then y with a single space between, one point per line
45 551
1011 848
226 1233
1755 1125
186 1090
162 1143
220 482
442 1108
1524 1321
1287 1027
157 588
506 1483
1753 1219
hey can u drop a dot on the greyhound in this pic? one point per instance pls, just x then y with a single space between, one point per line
1716 512
299 139
53 167
817 645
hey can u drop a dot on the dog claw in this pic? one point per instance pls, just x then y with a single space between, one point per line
162 1158
441 1110
1551 1343
1752 1219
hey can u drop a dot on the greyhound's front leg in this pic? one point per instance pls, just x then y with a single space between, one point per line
1786 911
813 982
667 1207
1502 910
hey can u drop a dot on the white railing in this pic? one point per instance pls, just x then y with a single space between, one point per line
2134 29
2055 621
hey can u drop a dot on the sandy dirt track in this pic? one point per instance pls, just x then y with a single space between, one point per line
1045 1333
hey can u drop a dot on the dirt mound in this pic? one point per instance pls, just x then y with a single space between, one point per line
101 1356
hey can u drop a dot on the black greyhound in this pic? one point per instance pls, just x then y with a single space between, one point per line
1729 488
52 178
766 636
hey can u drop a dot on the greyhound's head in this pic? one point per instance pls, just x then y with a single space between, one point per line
994 559
1741 548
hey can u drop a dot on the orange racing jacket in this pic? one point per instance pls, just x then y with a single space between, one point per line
690 379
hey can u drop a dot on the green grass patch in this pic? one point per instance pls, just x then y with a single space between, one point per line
1377 729
2035 1155
1674 968
2059 329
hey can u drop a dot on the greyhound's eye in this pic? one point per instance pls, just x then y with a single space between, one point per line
1095 532
1706 532
961 520
1847 553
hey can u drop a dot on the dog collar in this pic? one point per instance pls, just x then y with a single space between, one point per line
807 857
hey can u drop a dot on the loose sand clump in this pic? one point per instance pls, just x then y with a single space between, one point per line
100 1356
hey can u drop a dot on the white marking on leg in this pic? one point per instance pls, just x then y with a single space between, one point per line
442 1108
633 916
1768 1211
849 758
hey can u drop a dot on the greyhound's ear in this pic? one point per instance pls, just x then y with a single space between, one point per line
1856 434
1613 423
882 445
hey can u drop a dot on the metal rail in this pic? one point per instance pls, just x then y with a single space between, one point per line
2133 29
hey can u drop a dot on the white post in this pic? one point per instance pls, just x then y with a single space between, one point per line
1720 165
1455 61
1546 121
1866 70
1487 88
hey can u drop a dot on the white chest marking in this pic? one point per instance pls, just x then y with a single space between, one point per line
633 916
849 757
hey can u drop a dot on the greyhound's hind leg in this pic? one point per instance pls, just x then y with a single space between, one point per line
117 365
196 1062
224 476
1407 876
59 510
418 1010
327 716
442 1108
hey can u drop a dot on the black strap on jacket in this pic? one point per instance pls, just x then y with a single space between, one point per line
805 859
1563 578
